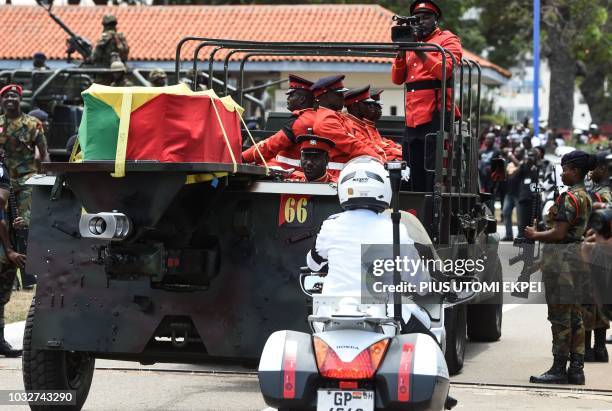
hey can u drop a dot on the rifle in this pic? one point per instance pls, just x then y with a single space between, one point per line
529 251
75 43
19 238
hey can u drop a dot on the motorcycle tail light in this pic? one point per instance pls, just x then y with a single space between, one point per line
362 367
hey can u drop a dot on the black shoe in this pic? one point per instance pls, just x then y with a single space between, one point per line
600 355
8 351
449 403
589 355
556 375
575 372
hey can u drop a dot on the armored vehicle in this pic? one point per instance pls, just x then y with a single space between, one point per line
157 270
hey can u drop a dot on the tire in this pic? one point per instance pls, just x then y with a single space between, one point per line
484 320
455 319
55 370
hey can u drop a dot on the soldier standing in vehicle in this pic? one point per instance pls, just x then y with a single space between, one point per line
158 78
314 151
422 74
595 323
9 261
20 136
110 42
39 61
281 148
119 72
562 275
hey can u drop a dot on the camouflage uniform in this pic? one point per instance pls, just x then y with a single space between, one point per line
7 270
563 275
122 83
592 315
19 138
110 42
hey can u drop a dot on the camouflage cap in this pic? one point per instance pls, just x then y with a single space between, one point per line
109 19
157 73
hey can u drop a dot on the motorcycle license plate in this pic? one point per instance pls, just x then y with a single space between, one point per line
339 400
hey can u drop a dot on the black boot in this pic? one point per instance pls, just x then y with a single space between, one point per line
5 347
575 372
589 354
600 353
556 375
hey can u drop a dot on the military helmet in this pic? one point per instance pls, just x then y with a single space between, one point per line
118 66
157 73
109 20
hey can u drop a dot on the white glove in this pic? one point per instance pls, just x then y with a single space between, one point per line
406 174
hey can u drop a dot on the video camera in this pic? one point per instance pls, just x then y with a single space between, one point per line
404 29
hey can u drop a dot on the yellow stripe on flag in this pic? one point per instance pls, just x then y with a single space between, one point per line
122 139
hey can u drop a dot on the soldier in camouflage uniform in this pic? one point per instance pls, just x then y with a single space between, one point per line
562 274
20 135
594 320
158 78
119 72
9 260
110 42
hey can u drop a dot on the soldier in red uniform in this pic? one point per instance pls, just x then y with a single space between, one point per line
356 102
422 74
331 123
361 111
393 151
281 148
314 157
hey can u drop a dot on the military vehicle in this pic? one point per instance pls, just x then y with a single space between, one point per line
163 271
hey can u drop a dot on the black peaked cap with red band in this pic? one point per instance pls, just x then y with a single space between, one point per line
313 142
298 83
330 83
425 5
356 95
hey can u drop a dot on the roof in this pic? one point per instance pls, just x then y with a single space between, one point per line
153 32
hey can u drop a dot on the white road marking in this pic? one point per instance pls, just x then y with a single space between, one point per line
508 307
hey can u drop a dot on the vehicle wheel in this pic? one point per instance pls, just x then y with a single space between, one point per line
455 319
55 370
484 320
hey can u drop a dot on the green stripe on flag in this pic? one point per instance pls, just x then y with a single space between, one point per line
98 130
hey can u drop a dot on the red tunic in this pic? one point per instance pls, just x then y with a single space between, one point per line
299 176
360 129
336 126
280 149
420 104
391 149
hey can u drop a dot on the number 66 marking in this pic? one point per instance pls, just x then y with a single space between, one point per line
293 209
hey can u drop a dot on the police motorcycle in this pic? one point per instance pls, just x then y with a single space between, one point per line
357 357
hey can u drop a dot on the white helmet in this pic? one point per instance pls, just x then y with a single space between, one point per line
364 183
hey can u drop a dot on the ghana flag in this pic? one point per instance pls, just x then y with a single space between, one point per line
166 124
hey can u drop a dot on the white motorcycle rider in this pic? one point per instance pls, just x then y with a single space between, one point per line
360 356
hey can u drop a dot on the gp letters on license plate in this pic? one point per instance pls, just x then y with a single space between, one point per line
337 400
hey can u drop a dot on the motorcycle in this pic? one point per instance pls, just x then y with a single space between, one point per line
356 358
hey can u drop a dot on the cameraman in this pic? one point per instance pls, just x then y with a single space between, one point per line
422 74
527 177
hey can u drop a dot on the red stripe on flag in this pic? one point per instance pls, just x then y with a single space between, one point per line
404 372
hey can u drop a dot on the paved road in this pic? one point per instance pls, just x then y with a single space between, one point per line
495 376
